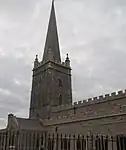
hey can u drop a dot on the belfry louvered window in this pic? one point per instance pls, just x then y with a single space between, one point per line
60 83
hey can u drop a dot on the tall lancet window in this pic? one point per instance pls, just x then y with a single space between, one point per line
60 83
60 99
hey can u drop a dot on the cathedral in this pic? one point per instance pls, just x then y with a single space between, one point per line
51 106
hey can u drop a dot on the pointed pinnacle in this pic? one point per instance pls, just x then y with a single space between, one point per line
36 59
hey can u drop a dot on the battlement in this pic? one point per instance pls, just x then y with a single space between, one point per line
91 101
106 97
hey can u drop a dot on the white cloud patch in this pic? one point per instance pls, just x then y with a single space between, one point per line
3 122
2 53
5 92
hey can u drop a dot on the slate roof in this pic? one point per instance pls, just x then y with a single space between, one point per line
29 124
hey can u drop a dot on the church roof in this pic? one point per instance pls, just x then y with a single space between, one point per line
52 43
29 124
16 123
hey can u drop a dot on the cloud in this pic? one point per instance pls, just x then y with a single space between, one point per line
3 122
92 32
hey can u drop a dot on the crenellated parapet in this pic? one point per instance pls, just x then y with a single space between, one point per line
92 101
85 109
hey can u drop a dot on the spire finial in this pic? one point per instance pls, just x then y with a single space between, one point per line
36 58
36 62
67 58
67 55
67 61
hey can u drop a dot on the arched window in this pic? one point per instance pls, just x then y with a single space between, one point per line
60 83
60 99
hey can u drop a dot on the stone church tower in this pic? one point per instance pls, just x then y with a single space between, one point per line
51 84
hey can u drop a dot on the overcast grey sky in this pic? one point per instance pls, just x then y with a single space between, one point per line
93 32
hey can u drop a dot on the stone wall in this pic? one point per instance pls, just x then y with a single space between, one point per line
111 125
99 115
97 106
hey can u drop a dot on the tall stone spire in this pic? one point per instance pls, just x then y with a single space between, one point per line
52 39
